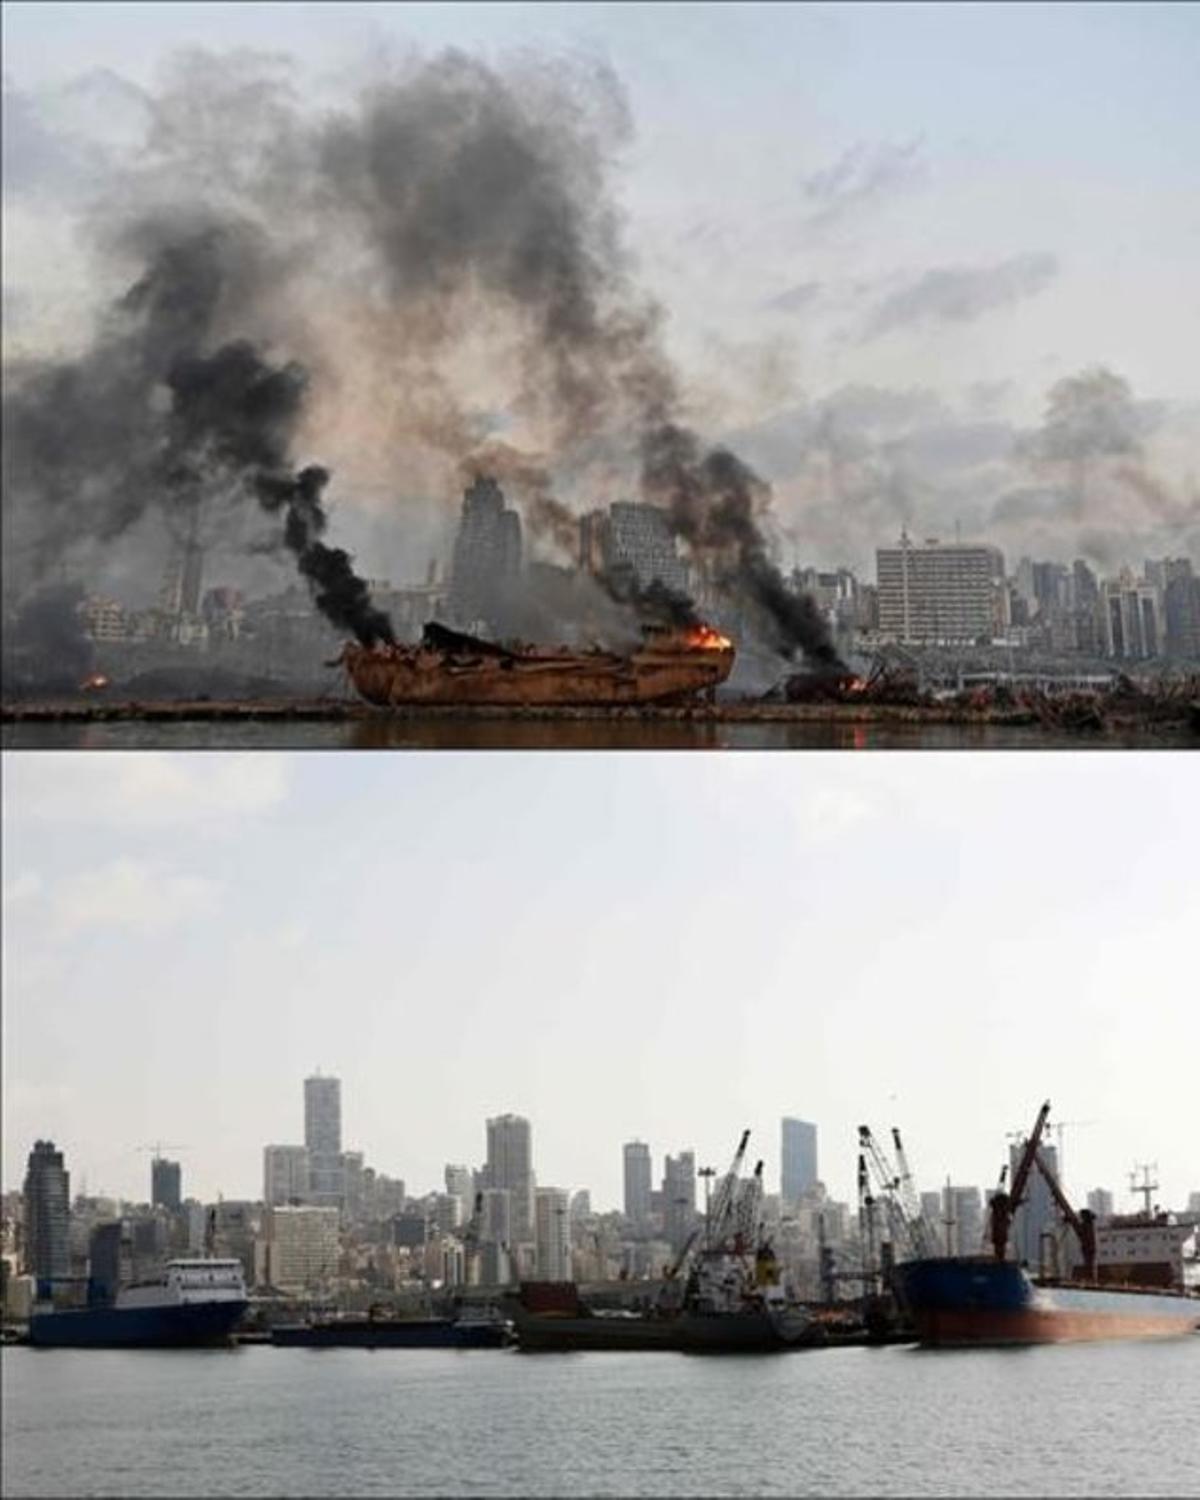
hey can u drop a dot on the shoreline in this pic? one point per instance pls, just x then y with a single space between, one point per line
302 710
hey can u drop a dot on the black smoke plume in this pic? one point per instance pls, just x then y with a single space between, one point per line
340 595
453 226
711 498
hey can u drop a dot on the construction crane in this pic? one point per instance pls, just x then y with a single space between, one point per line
158 1147
1083 1224
746 1219
866 1216
925 1236
887 1181
1004 1205
725 1197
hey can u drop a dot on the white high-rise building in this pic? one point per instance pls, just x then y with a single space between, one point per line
285 1175
302 1247
510 1165
323 1137
638 1181
552 1235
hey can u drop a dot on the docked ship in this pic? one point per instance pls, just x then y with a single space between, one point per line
1109 1292
449 668
482 1332
722 1294
194 1302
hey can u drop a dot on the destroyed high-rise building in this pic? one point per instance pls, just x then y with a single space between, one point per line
487 555
632 540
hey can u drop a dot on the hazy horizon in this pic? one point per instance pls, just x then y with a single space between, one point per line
662 947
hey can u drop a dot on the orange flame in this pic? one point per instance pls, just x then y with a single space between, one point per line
93 682
705 638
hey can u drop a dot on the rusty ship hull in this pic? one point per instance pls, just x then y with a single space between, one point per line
454 670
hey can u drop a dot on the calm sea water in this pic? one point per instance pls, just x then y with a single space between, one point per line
1115 1419
386 733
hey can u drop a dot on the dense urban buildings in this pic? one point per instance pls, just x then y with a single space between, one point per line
798 1159
384 1243
946 594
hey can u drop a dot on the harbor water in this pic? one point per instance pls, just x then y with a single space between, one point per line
440 733
1113 1419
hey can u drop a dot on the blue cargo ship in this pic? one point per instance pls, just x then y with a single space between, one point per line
195 1302
977 1300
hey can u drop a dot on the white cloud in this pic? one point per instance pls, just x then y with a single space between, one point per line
22 888
145 789
131 894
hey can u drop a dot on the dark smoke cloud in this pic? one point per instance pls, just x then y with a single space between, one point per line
148 419
381 271
711 498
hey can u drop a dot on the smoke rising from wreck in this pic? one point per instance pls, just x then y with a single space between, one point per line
466 198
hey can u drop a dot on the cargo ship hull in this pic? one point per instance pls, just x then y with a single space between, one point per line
414 1333
694 1333
975 1301
136 1327
452 673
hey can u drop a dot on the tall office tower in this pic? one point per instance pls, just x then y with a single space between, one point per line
638 1174
1037 1214
552 1235
47 1213
285 1175
166 1184
679 1198
510 1165
323 1137
487 553
941 593
798 1160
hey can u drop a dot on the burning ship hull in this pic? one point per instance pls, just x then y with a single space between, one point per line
981 1301
447 668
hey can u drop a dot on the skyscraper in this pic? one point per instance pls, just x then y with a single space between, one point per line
798 1160
487 553
323 1137
679 1198
552 1237
166 1184
47 1213
510 1165
638 1176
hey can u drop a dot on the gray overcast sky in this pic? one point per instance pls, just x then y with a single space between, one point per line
670 947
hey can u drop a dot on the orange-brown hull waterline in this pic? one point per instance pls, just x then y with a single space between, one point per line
455 670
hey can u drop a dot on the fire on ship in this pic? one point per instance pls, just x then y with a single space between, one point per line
448 667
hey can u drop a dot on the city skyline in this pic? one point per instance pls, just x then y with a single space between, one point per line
465 988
